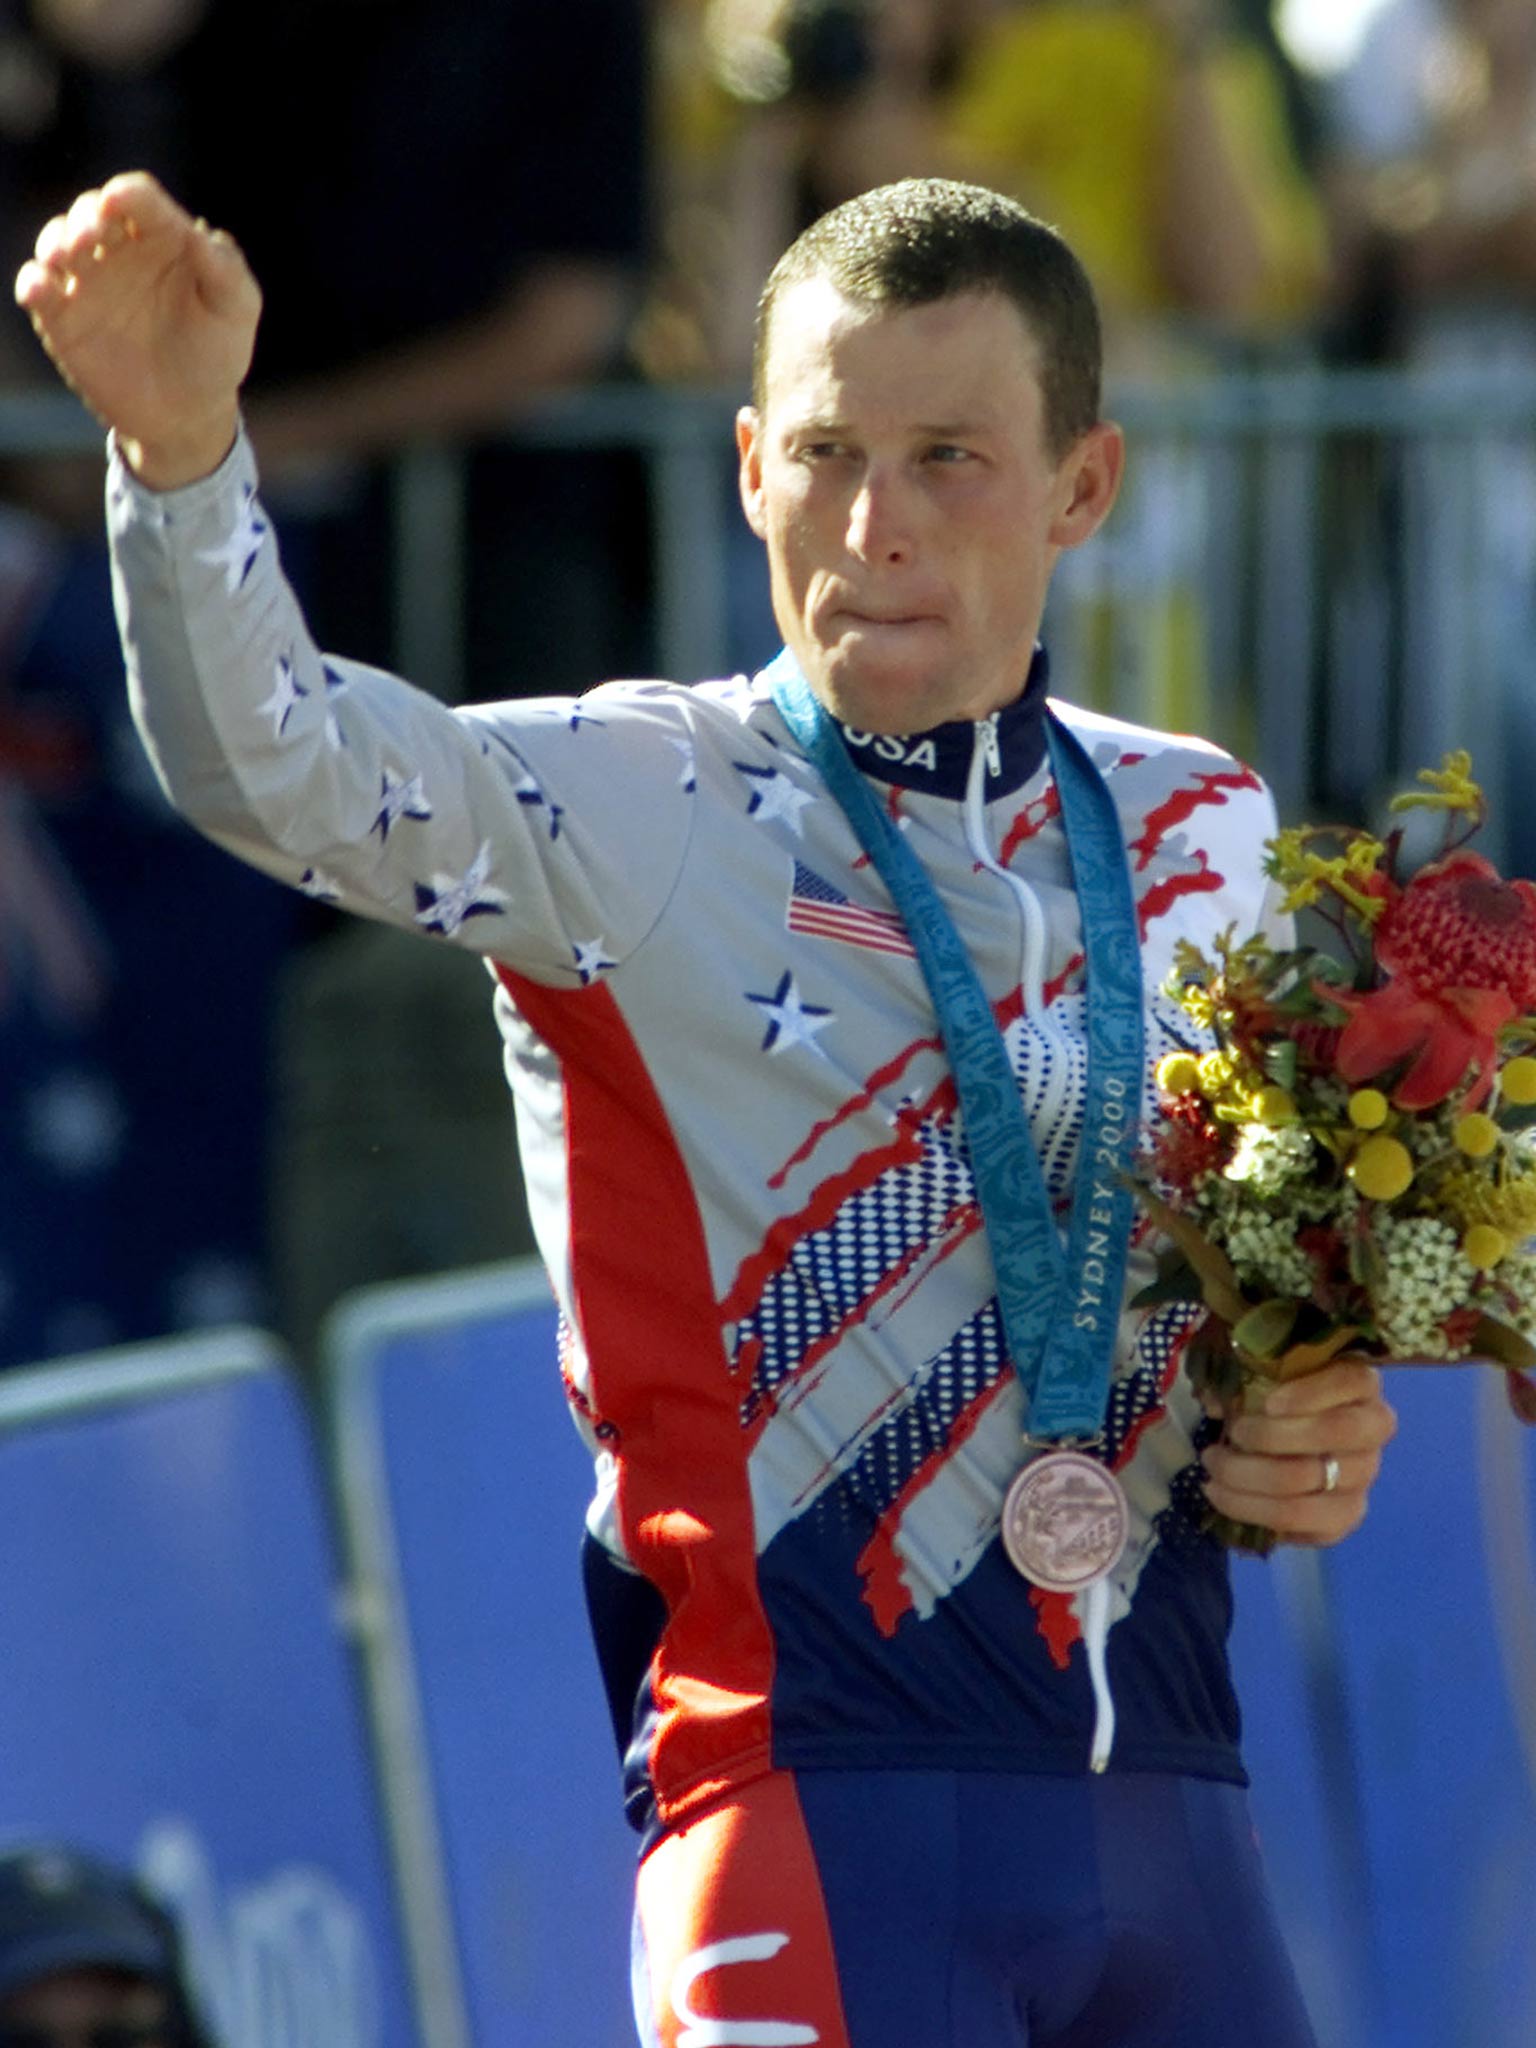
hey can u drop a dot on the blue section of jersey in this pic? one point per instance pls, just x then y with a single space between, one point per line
976 1683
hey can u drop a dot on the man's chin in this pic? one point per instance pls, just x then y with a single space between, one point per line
888 696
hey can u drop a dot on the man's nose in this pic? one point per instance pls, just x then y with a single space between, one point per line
880 527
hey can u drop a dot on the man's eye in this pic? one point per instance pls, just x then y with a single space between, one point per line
947 451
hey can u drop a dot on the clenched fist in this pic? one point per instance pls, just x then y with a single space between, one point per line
150 316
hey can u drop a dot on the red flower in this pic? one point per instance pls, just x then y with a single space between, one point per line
1188 1145
1459 947
1442 1035
1459 925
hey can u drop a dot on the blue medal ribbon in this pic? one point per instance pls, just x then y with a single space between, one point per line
1060 1309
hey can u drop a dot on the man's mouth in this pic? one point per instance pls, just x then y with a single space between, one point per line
858 615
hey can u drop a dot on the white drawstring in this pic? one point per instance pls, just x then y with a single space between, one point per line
1095 1622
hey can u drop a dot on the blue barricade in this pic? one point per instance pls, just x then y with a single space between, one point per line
463 1485
1389 1688
177 1693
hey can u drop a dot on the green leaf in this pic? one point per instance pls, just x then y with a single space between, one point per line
1176 1280
1218 1278
1280 1062
1263 1331
1213 1366
1300 1359
1505 1346
1367 1267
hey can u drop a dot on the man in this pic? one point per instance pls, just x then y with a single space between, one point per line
858 1737
87 1958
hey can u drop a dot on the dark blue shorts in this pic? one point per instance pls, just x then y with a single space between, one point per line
893 1909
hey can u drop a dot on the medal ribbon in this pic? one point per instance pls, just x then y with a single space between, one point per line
1060 1310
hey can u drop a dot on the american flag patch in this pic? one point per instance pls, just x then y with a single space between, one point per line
817 908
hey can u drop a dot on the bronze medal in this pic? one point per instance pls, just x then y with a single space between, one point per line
1065 1521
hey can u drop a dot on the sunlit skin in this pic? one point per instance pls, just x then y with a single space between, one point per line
901 478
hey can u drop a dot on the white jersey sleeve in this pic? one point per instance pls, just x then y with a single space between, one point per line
546 833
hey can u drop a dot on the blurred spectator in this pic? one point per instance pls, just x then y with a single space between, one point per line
1159 139
447 209
87 1958
132 1097
772 111
1434 185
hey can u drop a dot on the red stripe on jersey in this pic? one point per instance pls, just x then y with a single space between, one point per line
855 1105
900 1280
1182 805
778 1246
1032 819
645 1309
886 1593
1162 896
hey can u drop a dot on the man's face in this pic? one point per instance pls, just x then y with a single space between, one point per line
900 475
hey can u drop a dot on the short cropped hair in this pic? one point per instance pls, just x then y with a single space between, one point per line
926 239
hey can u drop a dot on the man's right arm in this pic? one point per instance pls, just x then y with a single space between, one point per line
493 828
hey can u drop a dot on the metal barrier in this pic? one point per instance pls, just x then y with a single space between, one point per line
1328 570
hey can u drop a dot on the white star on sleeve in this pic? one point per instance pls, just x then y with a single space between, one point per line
236 555
791 1020
399 798
591 960
689 776
286 692
449 900
317 883
775 796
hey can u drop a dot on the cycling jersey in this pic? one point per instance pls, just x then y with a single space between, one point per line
745 1164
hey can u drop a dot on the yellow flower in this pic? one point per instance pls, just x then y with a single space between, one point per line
1382 1169
1368 1109
1287 852
1476 1135
1216 1070
1447 788
1301 896
1483 1246
1470 1198
1178 1073
1271 1106
1364 854
1517 1081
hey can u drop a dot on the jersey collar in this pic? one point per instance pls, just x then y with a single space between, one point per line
938 762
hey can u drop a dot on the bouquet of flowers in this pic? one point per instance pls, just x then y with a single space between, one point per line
1344 1157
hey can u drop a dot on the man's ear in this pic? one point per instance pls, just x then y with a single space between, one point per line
1089 483
749 447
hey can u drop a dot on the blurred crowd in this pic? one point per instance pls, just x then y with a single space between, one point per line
216 1105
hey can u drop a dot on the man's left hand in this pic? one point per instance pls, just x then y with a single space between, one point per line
1274 1463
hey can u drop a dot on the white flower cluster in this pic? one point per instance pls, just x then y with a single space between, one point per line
1517 1273
1262 1247
1268 1157
1425 1276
